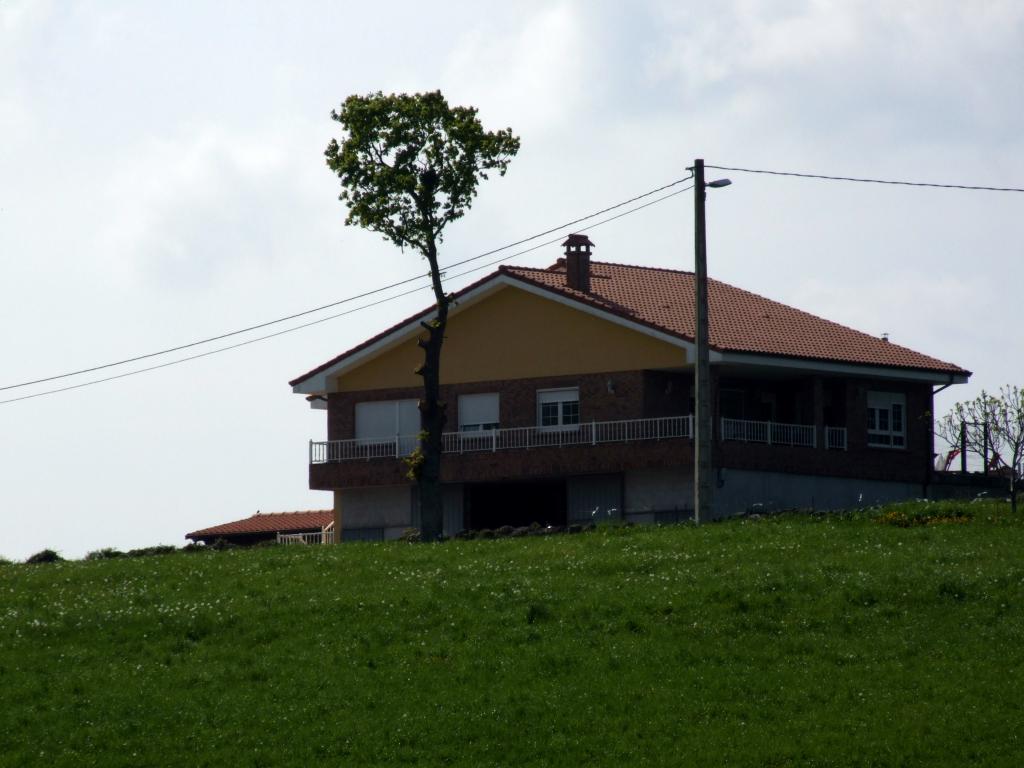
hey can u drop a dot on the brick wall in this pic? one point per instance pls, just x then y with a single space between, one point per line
520 464
603 397
636 394
910 464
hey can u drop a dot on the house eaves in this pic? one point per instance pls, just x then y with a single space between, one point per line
316 381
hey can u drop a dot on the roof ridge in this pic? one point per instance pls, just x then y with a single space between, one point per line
602 264
295 512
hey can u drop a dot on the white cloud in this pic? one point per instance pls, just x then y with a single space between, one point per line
531 78
171 201
19 16
167 182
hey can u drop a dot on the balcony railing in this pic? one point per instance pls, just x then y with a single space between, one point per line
835 438
590 433
769 432
323 536
774 433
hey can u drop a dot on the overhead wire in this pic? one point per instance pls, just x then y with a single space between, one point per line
865 180
399 283
347 300
355 309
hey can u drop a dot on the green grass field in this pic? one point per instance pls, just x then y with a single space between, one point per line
792 640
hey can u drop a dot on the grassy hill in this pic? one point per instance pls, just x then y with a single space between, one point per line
796 640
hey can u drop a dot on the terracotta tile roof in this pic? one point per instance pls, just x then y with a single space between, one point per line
739 321
269 522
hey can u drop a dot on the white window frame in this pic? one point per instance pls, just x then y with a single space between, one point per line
887 420
561 396
478 426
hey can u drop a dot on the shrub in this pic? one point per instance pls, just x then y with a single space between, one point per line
107 553
221 544
45 556
923 512
411 535
160 549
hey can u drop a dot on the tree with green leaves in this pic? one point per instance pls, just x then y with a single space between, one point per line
991 425
409 165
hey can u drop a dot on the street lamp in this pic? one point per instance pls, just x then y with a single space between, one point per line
702 428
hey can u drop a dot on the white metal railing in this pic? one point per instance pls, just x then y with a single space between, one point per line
324 536
590 433
769 432
362 448
835 438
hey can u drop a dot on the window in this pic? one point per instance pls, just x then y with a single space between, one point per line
478 412
384 420
558 408
887 419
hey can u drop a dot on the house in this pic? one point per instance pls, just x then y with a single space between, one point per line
310 527
569 395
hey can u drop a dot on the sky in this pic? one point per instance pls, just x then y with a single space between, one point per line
162 180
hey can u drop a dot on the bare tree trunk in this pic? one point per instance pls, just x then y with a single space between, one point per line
432 410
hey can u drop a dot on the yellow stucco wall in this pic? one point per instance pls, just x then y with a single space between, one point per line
513 334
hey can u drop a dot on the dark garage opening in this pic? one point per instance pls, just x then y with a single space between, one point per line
492 505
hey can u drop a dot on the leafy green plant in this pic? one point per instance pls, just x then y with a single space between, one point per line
410 535
159 549
991 426
44 556
923 512
107 553
409 165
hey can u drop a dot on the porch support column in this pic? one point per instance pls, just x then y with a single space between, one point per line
818 401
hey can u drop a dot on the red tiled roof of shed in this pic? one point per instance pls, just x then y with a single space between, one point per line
269 522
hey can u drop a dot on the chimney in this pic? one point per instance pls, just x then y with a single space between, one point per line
577 262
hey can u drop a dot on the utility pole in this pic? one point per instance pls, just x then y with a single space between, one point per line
702 368
702 427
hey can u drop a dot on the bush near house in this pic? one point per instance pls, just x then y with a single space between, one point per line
788 640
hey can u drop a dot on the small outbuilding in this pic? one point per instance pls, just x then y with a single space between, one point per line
309 527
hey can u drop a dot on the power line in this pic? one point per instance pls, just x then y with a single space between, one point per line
866 181
296 315
350 311
595 214
212 338
210 352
